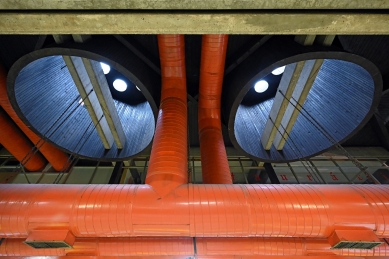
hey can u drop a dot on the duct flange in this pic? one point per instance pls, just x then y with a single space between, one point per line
342 98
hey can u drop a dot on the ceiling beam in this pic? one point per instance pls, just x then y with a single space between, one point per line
190 4
148 22
91 102
288 82
101 88
300 93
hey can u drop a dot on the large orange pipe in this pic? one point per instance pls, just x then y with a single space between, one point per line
169 155
214 163
173 246
194 210
17 144
56 157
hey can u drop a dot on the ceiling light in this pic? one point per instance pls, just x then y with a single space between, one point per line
119 85
278 71
261 86
105 68
137 88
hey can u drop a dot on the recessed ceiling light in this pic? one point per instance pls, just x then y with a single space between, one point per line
278 71
261 86
119 85
105 68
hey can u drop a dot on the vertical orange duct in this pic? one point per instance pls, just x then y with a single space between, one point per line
17 143
168 160
56 157
214 163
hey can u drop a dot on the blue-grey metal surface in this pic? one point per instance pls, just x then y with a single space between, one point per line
43 91
340 99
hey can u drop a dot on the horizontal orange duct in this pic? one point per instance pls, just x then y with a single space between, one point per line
18 145
169 154
194 210
174 246
214 163
56 157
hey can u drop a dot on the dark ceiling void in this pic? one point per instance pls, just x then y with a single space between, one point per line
383 107
132 95
342 99
44 95
253 98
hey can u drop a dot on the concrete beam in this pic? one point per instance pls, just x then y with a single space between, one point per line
300 93
325 40
189 4
101 88
297 23
61 38
287 85
81 38
82 81
305 40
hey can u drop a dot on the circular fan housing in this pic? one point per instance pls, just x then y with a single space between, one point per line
342 99
44 94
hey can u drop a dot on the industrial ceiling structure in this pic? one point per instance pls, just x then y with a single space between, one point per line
278 81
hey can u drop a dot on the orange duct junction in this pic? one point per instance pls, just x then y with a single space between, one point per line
57 158
194 210
17 143
276 220
214 163
178 246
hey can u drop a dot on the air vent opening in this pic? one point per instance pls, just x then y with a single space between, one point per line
356 245
47 244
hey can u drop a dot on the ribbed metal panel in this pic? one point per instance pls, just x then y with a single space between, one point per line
339 100
45 89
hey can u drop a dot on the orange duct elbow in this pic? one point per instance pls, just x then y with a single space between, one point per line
57 158
168 160
194 210
18 145
214 163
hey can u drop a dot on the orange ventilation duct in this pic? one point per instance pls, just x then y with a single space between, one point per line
56 157
259 219
194 210
17 144
169 155
174 246
214 163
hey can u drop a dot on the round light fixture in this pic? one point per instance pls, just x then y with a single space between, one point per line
105 68
119 85
261 86
278 71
